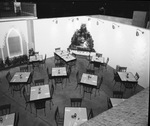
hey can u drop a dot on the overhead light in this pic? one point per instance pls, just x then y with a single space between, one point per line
114 25
137 32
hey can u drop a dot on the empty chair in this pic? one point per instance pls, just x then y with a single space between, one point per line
99 85
16 122
90 115
99 54
5 109
43 62
117 94
40 104
97 65
51 94
26 98
57 81
122 69
87 89
39 82
131 86
17 88
90 71
36 65
105 64
136 76
76 102
89 61
58 119
24 69
8 78
109 104
50 78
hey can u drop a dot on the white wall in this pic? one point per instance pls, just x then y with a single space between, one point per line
121 44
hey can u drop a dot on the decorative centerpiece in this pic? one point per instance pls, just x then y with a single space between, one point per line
82 40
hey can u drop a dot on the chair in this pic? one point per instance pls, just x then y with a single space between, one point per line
97 65
130 85
109 104
99 85
16 122
17 88
43 62
90 115
26 98
99 54
24 69
122 69
58 119
89 60
5 109
78 81
76 102
40 104
87 89
136 76
8 78
49 76
51 94
106 63
117 94
90 71
39 82
58 80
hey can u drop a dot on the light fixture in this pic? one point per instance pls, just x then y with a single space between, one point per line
137 32
113 25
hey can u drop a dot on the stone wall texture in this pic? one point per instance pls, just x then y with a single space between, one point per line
131 112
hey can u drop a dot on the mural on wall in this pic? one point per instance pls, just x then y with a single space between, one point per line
82 40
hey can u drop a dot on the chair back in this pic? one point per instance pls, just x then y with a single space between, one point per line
87 89
76 102
137 76
39 82
8 77
117 94
52 91
58 80
122 69
90 71
17 87
5 109
91 115
24 69
109 104
97 65
39 104
98 54
57 49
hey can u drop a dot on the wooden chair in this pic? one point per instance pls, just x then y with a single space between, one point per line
58 119
43 62
87 89
39 82
17 88
40 104
109 104
90 115
5 109
97 65
76 102
104 65
90 71
27 99
57 81
24 69
50 78
99 85
16 122
89 61
117 94
8 78
51 94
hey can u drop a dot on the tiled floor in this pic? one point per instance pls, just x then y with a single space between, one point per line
61 96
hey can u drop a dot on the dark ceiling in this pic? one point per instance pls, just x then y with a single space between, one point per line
61 8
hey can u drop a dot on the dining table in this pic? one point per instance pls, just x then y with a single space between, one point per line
7 120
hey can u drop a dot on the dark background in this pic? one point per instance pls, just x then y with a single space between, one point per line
63 8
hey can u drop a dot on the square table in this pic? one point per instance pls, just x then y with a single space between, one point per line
126 77
71 120
68 58
98 59
8 120
36 58
39 92
116 101
61 53
89 79
59 71
20 77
